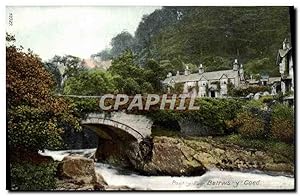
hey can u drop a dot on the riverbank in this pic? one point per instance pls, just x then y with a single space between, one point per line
274 156
226 162
117 178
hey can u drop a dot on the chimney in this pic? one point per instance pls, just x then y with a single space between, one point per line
177 73
235 65
242 73
201 69
187 70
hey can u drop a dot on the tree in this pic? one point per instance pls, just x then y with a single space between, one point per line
33 111
90 82
56 75
123 41
35 119
213 36
154 74
125 66
70 65
131 79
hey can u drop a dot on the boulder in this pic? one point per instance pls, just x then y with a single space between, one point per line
177 156
79 169
118 188
191 156
250 96
69 185
171 157
100 180
257 96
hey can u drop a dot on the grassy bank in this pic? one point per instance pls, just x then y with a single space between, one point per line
280 151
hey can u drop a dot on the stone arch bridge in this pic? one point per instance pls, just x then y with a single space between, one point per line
116 124
123 139
119 124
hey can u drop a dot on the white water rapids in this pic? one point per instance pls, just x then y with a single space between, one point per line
211 180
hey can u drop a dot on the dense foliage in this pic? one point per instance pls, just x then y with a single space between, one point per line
282 124
90 82
255 122
213 113
28 176
32 128
251 125
123 76
33 111
213 36
35 118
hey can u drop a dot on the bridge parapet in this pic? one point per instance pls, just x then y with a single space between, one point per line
138 126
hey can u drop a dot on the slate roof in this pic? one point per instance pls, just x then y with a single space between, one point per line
274 79
214 75
253 81
282 52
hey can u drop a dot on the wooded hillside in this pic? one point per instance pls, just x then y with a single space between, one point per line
213 36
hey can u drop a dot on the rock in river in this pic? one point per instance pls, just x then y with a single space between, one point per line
172 157
80 170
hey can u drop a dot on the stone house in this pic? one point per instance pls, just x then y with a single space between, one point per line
207 84
286 67
284 83
274 82
265 80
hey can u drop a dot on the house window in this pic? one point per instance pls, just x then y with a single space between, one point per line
264 83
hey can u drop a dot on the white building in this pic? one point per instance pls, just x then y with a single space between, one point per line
207 84
285 62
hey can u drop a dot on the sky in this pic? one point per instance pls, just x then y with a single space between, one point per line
78 31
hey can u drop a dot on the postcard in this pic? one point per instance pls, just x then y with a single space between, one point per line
150 98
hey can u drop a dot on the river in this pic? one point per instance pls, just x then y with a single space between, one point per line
211 180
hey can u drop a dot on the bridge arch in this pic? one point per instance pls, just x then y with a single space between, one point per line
137 126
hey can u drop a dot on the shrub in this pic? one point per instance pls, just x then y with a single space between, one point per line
267 99
254 104
35 117
32 128
282 123
166 117
250 125
178 88
26 176
83 106
214 113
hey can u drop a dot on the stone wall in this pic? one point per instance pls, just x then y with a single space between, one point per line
192 128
